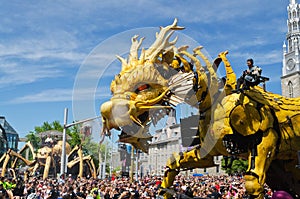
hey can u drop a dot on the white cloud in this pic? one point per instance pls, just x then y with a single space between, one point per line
266 58
26 61
61 95
13 74
58 46
51 95
258 41
93 66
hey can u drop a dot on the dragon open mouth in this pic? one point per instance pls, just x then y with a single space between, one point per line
134 128
137 134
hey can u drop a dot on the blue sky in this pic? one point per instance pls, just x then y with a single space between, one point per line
53 53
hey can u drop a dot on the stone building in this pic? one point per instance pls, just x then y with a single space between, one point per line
290 80
173 138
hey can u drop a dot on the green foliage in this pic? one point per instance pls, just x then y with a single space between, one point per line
116 170
34 139
234 165
74 133
46 126
92 148
57 126
103 147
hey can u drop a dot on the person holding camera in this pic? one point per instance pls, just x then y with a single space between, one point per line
250 77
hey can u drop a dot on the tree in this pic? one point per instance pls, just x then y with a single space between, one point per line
234 165
90 147
105 146
46 126
34 139
73 132
93 148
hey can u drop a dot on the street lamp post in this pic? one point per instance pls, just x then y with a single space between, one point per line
104 164
100 162
63 165
136 164
156 153
131 164
111 158
63 151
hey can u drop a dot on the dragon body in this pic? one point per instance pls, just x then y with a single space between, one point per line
254 124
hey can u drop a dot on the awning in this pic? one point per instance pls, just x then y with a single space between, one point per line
197 174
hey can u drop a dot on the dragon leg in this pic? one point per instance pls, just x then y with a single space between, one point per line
35 167
260 159
80 155
6 160
186 160
47 167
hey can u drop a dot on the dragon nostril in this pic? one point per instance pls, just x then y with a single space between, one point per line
115 113
120 109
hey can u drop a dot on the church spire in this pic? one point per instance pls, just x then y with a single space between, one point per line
291 52
293 1
293 23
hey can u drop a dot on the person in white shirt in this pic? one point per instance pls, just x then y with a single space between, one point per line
250 77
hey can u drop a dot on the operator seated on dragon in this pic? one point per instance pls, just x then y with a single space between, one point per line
250 77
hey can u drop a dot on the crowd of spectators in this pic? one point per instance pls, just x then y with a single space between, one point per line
223 186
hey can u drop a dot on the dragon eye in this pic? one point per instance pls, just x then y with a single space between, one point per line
142 87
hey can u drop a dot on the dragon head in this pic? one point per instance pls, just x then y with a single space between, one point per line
149 84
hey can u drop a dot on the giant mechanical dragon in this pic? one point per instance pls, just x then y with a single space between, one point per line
253 124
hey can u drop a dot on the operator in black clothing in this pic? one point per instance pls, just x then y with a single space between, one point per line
250 77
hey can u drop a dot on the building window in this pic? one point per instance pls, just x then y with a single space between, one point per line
163 136
290 46
175 134
290 89
12 141
294 25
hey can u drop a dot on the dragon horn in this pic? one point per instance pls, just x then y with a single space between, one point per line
162 41
213 87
